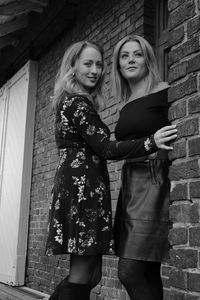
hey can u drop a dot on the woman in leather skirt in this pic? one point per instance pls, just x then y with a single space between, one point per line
141 221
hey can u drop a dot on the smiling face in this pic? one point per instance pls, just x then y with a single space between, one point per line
131 62
89 69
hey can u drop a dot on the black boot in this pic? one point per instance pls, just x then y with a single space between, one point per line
74 291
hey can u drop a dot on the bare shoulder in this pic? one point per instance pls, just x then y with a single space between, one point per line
160 86
120 105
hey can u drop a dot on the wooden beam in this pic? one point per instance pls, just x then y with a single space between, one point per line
8 41
4 19
13 26
18 8
40 2
4 2
42 31
39 10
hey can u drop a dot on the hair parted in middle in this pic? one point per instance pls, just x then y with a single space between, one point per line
120 86
66 79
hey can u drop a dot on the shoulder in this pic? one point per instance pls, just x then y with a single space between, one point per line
160 94
163 85
120 105
75 100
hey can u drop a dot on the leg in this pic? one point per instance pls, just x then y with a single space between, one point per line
85 269
132 275
85 273
154 278
97 274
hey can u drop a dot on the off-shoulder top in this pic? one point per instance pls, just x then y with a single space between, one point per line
143 116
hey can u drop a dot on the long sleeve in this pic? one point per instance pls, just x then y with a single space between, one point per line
97 135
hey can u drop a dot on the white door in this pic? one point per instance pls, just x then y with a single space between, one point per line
3 106
17 127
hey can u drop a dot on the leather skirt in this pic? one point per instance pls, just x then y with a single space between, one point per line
142 217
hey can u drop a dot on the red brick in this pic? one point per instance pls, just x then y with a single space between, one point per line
194 188
195 213
177 71
193 26
180 213
189 47
194 105
184 258
165 270
177 295
178 236
194 146
176 36
188 128
193 64
185 170
188 87
177 110
179 192
179 150
194 234
173 4
181 14
192 297
178 279
194 281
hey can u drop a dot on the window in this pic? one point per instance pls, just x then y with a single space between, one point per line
161 46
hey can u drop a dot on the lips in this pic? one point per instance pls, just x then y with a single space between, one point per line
131 68
92 78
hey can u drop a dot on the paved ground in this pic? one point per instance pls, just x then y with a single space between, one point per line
20 293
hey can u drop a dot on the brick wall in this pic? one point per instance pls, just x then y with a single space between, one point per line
184 71
106 22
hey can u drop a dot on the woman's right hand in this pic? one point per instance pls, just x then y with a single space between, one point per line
165 135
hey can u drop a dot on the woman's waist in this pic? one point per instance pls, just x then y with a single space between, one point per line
159 155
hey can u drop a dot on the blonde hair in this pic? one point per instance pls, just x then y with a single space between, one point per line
120 86
66 80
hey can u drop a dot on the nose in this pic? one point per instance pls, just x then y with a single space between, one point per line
132 58
94 69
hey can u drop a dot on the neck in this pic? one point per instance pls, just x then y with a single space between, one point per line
139 88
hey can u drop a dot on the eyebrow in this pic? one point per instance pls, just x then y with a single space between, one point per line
124 51
88 59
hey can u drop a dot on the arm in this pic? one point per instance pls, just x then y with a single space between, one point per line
97 135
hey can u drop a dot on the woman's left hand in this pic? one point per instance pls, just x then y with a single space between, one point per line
165 135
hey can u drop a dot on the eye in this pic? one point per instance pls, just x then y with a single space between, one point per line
124 55
99 65
87 63
138 54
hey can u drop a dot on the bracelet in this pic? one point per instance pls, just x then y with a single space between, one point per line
150 145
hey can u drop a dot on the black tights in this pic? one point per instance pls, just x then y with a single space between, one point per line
85 269
141 279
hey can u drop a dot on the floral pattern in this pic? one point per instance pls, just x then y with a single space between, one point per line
80 219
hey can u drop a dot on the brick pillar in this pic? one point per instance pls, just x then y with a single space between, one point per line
184 75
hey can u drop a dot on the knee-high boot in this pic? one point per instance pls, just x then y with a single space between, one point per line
74 291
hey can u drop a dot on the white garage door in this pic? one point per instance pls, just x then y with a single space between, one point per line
17 104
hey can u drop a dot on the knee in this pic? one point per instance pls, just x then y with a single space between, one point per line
95 279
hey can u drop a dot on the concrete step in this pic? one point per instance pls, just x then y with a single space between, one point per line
20 293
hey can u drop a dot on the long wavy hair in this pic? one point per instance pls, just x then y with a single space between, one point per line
120 87
66 79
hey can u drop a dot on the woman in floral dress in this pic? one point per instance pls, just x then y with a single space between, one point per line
80 221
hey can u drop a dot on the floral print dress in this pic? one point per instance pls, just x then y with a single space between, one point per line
80 219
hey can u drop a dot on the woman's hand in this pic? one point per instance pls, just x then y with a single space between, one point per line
165 135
